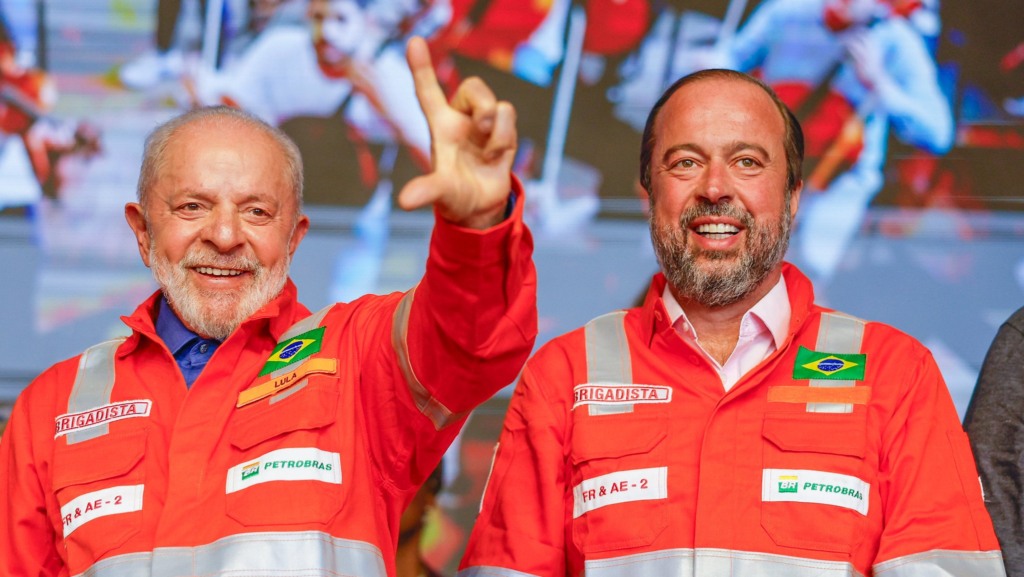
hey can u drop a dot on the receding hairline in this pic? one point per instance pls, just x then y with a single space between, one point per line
171 133
728 79
793 145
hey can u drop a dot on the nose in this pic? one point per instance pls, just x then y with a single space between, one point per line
223 230
717 188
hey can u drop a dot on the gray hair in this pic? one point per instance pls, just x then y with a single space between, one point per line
154 155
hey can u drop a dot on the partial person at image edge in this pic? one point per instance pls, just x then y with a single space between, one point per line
995 422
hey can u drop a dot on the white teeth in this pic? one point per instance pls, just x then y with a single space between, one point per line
717 228
218 271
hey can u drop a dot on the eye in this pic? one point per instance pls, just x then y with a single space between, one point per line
748 162
257 214
684 163
190 206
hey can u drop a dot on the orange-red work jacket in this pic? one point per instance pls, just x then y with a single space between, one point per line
841 454
296 449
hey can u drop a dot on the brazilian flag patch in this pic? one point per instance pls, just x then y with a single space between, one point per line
817 365
293 350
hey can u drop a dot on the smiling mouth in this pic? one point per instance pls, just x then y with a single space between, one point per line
218 271
717 231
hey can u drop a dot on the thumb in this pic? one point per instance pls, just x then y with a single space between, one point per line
419 192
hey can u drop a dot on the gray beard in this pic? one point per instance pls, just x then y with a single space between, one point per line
216 314
724 277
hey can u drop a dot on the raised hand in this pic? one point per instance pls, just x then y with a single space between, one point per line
473 143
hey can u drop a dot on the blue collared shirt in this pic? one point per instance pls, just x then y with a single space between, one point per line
191 351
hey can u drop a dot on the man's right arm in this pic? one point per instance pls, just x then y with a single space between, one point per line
520 531
27 540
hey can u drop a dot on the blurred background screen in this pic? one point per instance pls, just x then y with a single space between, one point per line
913 110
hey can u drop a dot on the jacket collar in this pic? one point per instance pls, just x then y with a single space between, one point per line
654 317
275 317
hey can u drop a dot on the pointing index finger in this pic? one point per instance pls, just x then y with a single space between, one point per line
428 91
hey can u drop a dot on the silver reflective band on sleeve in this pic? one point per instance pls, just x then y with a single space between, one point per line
438 414
307 324
944 562
716 563
488 571
93 384
842 334
277 554
608 357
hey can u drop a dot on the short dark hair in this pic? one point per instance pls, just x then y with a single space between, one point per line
793 141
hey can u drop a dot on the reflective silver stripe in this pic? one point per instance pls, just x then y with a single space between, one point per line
615 409
716 563
289 392
837 333
607 350
608 357
488 571
438 414
277 554
307 324
93 385
121 566
944 562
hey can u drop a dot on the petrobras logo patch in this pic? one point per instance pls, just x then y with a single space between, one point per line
818 487
298 464
70 422
250 470
619 393
789 484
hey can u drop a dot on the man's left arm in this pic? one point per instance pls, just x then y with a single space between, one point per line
934 520
466 329
472 320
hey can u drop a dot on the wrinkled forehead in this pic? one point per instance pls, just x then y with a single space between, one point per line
200 143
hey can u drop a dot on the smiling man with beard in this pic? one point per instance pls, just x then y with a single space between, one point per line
235 433
729 426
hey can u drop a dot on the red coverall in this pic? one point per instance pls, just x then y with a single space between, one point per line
119 470
622 455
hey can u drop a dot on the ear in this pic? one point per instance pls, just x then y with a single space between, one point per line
794 198
301 228
137 220
645 193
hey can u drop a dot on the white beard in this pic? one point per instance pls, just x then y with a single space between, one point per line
216 314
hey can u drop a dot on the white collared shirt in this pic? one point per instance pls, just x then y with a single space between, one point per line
763 329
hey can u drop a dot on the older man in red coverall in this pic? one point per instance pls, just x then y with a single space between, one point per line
235 433
729 426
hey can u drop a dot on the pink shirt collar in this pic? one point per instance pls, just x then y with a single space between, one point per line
763 330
